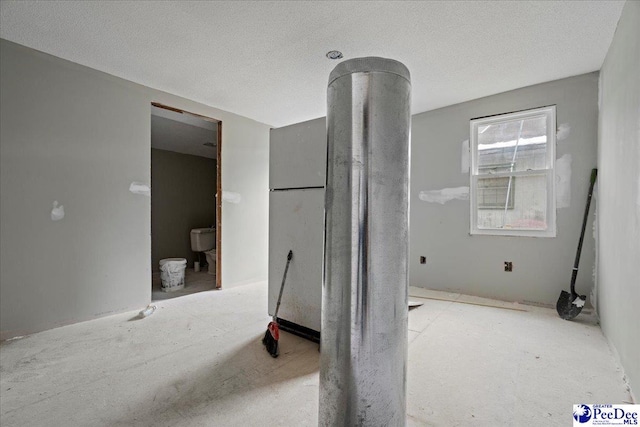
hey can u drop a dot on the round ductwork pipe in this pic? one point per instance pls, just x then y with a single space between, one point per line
363 360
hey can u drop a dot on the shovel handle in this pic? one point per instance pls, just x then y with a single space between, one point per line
574 274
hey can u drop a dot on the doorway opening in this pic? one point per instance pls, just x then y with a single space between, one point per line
186 202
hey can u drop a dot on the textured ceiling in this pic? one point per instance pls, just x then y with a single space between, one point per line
266 60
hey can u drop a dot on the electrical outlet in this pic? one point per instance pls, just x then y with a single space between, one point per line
423 259
508 266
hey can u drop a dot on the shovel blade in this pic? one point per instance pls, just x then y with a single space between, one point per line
566 307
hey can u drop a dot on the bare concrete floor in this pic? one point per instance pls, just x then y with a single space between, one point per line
193 283
198 361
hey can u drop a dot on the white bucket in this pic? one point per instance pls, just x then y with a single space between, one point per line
172 273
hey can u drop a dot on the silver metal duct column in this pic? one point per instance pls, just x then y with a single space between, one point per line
363 361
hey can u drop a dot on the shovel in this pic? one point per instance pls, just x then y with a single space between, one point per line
569 305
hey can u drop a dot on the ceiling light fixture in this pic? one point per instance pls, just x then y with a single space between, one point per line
334 54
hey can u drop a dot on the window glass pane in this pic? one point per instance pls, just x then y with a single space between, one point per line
517 145
527 207
493 193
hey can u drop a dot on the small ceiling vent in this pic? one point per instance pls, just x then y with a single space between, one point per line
209 144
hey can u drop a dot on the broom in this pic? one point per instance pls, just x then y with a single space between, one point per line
272 335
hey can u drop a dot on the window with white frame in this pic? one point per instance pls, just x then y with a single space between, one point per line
512 174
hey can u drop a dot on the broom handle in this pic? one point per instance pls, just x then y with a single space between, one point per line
284 277
574 274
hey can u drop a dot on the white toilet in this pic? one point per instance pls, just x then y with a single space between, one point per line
204 240
211 261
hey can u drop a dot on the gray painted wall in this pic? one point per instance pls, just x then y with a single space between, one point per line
619 195
79 136
473 265
183 189
459 262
